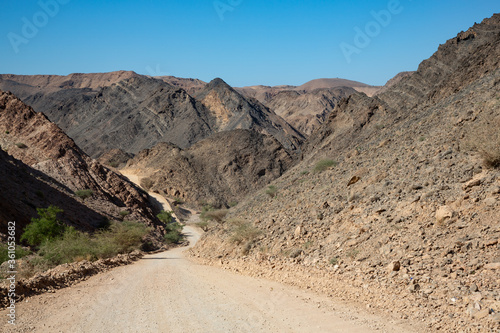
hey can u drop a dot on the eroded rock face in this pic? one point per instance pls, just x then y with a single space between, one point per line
31 138
218 170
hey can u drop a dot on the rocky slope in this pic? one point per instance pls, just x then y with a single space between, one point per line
404 217
229 110
218 170
307 111
30 137
24 189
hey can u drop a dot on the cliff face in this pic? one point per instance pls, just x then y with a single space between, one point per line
40 144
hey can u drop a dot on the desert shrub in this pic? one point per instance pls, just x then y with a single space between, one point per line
485 139
114 164
271 191
214 215
4 252
7 132
21 145
173 233
147 183
233 204
323 165
334 261
203 225
72 245
178 201
124 213
165 216
126 236
84 194
243 232
45 227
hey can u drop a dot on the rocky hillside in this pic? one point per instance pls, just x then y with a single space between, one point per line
306 107
124 110
30 137
307 110
24 189
229 110
396 201
218 170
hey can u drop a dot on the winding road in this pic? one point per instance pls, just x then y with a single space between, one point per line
167 292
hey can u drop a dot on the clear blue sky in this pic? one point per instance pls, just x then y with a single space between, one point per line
245 42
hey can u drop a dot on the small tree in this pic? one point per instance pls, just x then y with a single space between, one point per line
165 217
44 228
173 232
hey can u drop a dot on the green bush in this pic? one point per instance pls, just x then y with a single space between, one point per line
44 228
324 165
271 191
165 217
173 233
126 236
21 145
124 213
74 245
84 194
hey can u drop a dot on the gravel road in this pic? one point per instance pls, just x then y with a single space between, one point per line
167 292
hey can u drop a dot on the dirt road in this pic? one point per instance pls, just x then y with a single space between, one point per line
167 292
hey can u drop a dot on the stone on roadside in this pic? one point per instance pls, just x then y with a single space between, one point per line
394 266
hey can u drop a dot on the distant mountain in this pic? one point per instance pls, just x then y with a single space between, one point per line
124 110
190 85
305 107
307 111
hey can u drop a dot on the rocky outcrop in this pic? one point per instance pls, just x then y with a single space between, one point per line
31 138
229 110
306 111
218 170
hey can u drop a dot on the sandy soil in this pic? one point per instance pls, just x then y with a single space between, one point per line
166 292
